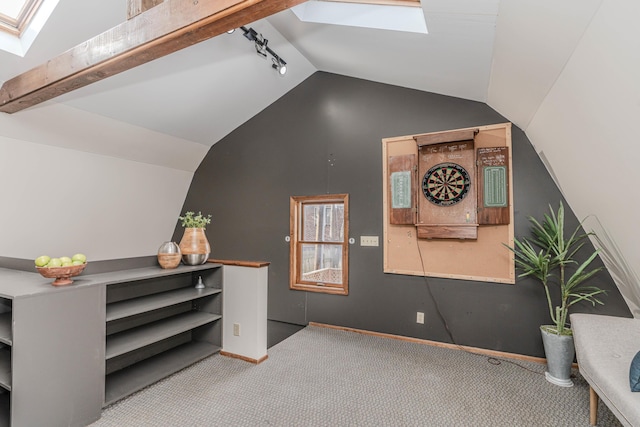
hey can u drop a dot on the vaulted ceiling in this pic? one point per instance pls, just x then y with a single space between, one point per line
564 72
203 92
480 50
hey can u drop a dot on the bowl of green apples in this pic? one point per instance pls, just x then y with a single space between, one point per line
62 269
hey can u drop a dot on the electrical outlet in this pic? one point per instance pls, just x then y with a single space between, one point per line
236 329
368 240
420 317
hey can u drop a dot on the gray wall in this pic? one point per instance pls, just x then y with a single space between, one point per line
325 136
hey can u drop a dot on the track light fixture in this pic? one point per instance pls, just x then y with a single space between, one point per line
262 49
279 65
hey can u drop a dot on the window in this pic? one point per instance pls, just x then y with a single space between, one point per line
396 15
411 3
21 22
319 251
16 14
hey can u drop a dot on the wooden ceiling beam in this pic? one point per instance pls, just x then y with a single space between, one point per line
166 28
136 7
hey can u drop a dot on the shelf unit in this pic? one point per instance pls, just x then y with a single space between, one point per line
68 351
5 328
48 365
156 326
6 341
5 368
4 409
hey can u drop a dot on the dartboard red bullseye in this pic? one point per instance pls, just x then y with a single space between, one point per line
446 184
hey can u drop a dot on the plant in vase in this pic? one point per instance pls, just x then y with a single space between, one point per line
549 257
194 245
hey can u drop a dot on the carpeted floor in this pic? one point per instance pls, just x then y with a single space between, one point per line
326 377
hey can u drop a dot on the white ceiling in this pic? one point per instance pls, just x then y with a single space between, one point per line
202 93
506 53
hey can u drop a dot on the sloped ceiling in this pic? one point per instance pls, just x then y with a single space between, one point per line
453 59
202 93
534 42
564 72
507 54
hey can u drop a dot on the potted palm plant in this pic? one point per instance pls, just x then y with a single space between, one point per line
549 257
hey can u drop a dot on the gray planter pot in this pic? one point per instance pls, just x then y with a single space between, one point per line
559 351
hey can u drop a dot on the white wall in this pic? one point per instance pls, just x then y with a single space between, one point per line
58 200
589 119
583 118
244 304
534 41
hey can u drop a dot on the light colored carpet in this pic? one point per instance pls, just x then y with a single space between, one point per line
326 377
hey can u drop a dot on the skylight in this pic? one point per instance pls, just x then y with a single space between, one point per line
397 15
16 14
21 21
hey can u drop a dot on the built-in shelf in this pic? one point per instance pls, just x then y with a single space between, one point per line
157 323
132 339
122 309
5 328
135 377
5 368
5 406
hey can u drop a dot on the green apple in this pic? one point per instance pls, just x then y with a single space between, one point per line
77 262
42 260
79 257
54 262
65 260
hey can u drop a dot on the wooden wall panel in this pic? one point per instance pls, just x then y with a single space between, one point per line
402 189
484 259
493 186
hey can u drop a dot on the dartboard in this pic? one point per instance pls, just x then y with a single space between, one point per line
445 184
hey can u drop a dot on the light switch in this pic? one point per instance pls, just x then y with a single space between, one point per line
368 240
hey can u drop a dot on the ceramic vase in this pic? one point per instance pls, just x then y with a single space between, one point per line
194 246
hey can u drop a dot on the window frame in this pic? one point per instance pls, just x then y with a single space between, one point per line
15 26
296 242
407 3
